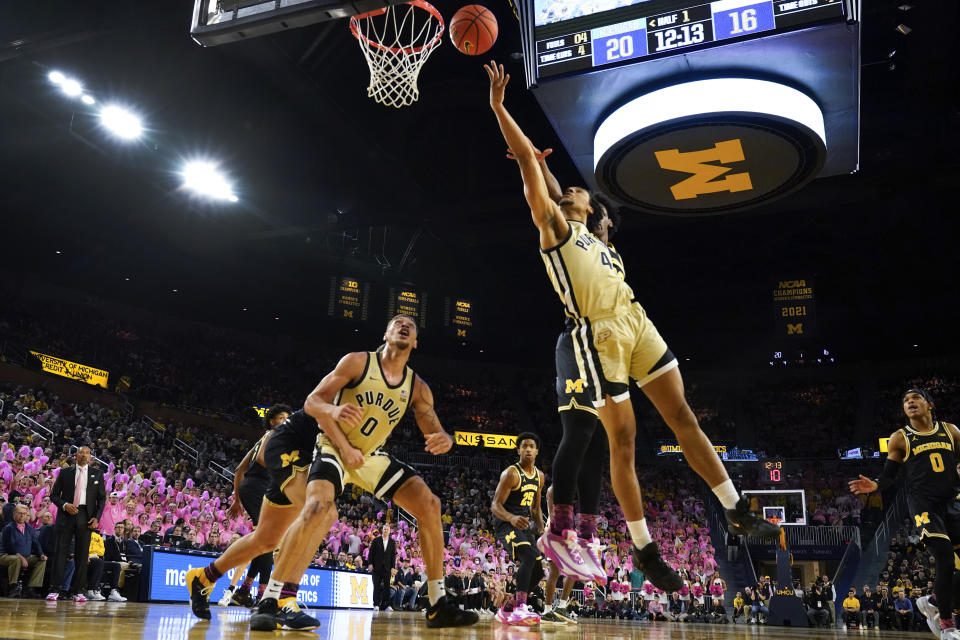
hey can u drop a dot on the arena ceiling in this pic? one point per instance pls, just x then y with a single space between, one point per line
331 182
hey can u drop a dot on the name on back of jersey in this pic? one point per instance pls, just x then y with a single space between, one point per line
585 240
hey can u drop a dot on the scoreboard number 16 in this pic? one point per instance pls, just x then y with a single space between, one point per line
743 21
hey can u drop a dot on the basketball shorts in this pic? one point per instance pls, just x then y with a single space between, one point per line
621 347
512 539
573 390
286 454
380 474
935 518
251 493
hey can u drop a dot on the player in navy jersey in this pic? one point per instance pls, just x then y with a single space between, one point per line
516 505
925 449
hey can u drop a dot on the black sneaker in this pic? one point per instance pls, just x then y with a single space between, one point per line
658 572
447 614
291 617
199 593
745 523
265 617
242 597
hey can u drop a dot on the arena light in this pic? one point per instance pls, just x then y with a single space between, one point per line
88 100
701 97
121 122
205 178
71 87
56 77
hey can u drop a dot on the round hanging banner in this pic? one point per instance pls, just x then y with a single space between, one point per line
709 147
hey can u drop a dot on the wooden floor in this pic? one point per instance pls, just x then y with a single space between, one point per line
37 619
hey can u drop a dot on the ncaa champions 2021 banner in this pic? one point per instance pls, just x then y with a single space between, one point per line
165 575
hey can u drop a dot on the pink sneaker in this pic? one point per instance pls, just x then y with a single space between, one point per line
53 596
590 551
564 551
521 616
79 598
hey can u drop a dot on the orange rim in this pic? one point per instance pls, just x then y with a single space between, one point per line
422 4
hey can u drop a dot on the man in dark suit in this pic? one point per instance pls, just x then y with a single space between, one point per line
80 498
383 556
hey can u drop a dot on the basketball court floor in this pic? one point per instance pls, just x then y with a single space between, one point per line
39 620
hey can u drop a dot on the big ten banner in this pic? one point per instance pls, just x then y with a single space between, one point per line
793 308
458 318
409 302
349 298
490 440
318 587
73 370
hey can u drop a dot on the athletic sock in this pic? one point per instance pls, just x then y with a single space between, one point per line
560 604
947 624
435 591
273 589
727 494
587 525
289 590
211 573
561 518
521 598
639 533
247 583
260 589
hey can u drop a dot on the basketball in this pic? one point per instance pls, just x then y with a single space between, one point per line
473 29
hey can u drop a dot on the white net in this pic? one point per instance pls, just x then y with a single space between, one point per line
396 42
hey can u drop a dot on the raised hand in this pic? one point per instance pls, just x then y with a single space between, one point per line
498 82
540 155
863 485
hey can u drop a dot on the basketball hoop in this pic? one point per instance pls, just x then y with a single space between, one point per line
396 41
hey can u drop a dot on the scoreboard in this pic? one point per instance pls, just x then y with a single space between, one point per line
458 318
410 302
349 298
647 29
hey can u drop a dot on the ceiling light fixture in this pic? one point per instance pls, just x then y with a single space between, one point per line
121 122
205 178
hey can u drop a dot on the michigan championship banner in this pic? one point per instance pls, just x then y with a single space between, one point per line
493 440
73 370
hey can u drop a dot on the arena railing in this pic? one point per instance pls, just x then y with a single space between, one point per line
35 427
891 519
221 471
798 536
150 423
187 449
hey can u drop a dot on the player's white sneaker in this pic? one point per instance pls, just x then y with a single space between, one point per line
931 613
565 552
590 552
115 596
93 594
226 598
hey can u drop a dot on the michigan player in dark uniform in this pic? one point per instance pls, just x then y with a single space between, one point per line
516 504
926 449
250 483
617 342
357 405
287 456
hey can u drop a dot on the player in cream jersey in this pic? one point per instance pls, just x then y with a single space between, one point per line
357 406
619 343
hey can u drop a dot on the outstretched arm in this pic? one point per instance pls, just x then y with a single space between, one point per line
553 185
896 453
438 440
546 214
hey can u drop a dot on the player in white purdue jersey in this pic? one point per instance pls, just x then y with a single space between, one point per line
618 342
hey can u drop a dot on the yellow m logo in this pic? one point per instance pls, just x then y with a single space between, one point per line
461 333
704 178
575 386
289 458
795 329
347 313
922 519
358 591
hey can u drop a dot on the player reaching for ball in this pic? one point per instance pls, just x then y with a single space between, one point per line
615 341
